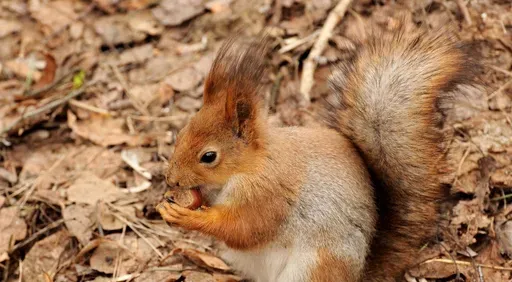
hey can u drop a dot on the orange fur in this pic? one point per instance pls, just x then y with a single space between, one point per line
312 189
329 269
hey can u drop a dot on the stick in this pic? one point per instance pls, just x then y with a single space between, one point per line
310 63
464 10
465 263
49 106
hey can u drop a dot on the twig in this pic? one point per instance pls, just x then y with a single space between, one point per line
465 263
499 90
90 108
504 197
278 11
49 106
157 119
501 70
297 42
310 63
122 219
132 98
36 92
464 10
35 235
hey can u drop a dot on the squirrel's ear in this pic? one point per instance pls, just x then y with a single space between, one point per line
235 79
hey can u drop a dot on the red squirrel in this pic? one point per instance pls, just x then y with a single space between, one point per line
353 200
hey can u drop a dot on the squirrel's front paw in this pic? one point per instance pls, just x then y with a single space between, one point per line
180 216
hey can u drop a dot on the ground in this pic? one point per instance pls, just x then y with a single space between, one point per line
92 94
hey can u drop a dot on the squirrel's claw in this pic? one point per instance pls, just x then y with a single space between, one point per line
180 216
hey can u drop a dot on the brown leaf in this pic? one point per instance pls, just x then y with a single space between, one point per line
12 226
175 12
132 252
44 256
185 79
195 276
23 68
9 26
504 236
79 221
90 189
48 74
203 259
53 15
105 131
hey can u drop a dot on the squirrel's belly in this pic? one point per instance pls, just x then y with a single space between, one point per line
273 263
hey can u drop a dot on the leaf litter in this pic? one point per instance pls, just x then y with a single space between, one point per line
93 93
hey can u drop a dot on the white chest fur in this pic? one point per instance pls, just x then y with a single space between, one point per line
272 263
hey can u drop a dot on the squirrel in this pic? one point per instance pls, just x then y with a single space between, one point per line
353 200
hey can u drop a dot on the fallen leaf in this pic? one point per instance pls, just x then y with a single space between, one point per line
175 12
132 252
9 26
12 226
90 189
123 29
218 6
48 73
137 4
136 55
79 221
157 276
226 277
189 104
44 256
145 22
196 276
504 236
24 68
185 79
54 15
105 131
109 221
203 259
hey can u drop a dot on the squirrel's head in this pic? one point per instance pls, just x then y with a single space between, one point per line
226 137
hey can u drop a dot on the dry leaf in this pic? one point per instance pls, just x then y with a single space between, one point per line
9 26
54 15
218 6
203 259
44 257
90 189
12 226
79 221
105 131
504 236
24 68
185 79
117 29
195 276
136 55
189 104
133 252
109 221
175 12
48 73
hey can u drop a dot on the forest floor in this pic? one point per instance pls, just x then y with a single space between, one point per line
92 94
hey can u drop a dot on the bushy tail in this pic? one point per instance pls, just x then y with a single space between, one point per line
388 101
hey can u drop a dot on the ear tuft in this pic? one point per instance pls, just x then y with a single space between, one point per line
235 80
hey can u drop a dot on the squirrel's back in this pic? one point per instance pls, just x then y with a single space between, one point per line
388 101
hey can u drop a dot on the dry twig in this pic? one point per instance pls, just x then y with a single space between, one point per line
310 63
464 10
47 107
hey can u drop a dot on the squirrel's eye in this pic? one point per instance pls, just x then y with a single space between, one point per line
209 157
